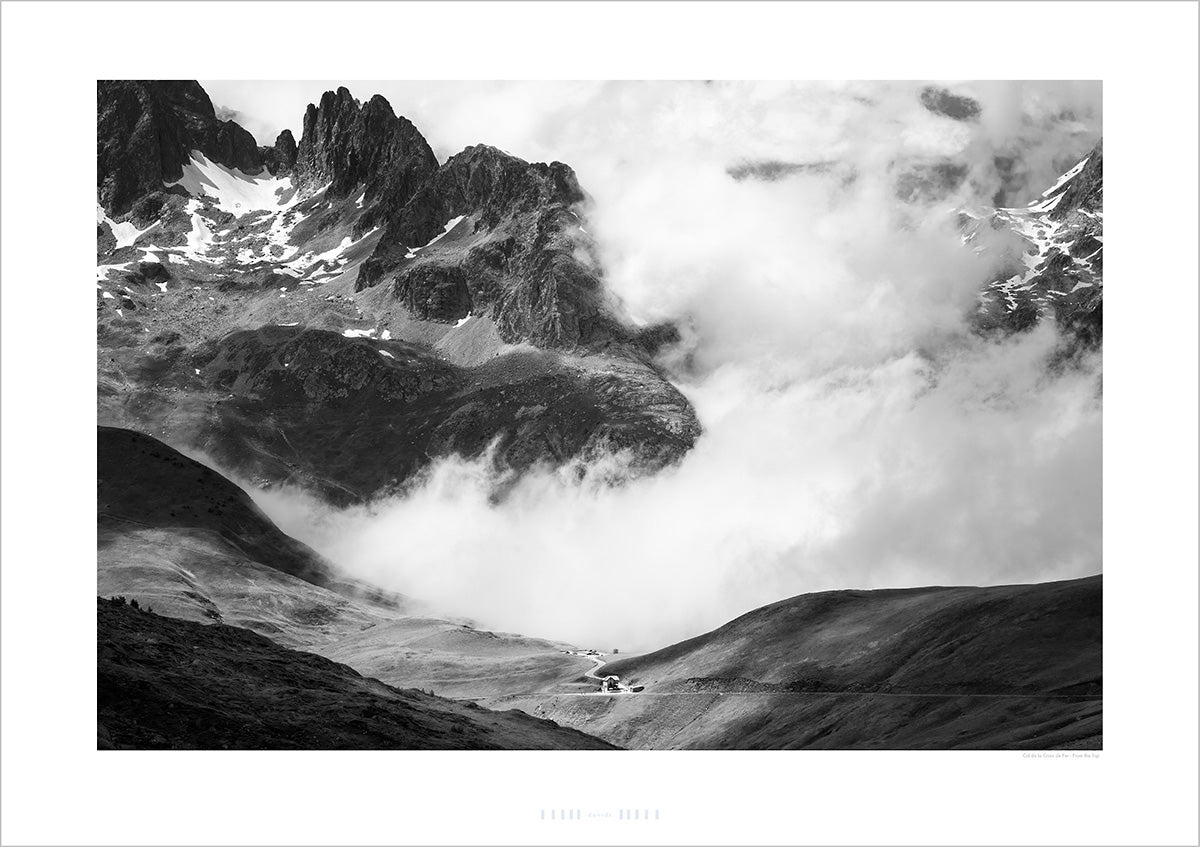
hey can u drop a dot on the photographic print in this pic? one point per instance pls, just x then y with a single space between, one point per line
585 415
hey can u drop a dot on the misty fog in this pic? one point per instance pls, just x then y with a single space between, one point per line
856 434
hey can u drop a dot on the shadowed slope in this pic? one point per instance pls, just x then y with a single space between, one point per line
1005 667
1042 638
175 535
171 684
142 482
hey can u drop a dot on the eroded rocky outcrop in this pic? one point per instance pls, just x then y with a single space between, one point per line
353 147
1051 257
281 158
351 418
146 131
527 263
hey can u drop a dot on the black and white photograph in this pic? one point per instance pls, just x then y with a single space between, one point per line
738 415
744 419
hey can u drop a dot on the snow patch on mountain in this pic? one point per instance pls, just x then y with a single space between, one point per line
126 233
450 224
1065 178
102 271
315 267
233 191
1051 248
199 239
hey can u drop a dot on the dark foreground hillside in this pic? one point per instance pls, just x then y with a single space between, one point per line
172 684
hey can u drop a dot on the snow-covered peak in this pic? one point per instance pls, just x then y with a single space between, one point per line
1051 255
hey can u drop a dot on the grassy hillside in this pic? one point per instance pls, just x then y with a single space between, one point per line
1006 667
144 484
171 684
180 537
454 659
1043 638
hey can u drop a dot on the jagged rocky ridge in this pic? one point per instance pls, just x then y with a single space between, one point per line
519 259
146 132
346 145
1051 254
296 309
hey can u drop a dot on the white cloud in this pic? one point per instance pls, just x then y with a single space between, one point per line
855 434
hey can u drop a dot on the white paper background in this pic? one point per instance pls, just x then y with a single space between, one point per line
59 789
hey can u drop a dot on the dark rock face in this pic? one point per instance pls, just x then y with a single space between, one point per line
105 241
147 274
433 292
281 158
524 267
131 150
348 145
1054 260
491 182
286 365
235 147
1085 192
957 107
146 130
337 416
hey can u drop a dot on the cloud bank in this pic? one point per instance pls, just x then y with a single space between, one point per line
856 434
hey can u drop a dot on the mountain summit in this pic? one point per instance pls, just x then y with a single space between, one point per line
146 132
1052 255
338 313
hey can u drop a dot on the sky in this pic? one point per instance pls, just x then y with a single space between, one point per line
856 434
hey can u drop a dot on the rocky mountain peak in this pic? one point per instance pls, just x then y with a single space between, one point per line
146 131
1051 256
351 145
1085 191
488 179
360 283
187 95
505 240
281 158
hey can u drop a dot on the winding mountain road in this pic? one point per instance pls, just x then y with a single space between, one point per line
591 674
599 664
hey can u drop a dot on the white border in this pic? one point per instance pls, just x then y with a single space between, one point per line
58 789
